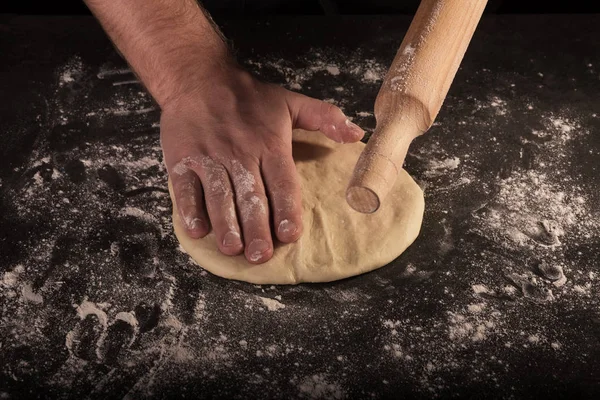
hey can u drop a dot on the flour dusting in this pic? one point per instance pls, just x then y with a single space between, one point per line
272 304
317 387
96 296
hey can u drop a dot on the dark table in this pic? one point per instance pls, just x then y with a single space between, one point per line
98 301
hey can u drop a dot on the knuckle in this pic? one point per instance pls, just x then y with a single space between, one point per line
217 192
253 207
253 198
185 188
284 185
327 108
212 197
275 144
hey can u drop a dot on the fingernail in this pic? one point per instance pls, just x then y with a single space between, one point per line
231 239
353 126
193 223
257 249
287 226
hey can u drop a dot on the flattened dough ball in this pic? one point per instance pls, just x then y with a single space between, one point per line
337 242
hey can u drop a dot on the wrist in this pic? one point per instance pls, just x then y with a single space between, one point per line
172 45
189 69
213 83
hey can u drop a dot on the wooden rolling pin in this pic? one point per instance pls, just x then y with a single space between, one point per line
412 93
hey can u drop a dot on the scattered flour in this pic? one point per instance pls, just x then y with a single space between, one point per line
437 167
71 71
318 387
533 210
272 304
333 70
355 66
30 296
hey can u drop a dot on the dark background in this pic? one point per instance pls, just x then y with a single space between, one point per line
316 7
549 62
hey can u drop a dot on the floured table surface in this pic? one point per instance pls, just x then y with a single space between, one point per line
499 295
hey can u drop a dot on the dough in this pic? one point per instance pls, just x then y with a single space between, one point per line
337 242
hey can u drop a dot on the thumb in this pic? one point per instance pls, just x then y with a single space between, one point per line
317 115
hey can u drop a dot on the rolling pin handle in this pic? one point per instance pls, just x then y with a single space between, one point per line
412 94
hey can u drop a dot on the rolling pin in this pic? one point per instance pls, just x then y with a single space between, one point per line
412 94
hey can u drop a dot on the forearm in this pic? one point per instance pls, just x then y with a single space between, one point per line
164 41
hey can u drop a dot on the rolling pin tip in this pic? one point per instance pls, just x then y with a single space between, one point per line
362 199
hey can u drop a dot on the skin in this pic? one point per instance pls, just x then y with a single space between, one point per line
226 136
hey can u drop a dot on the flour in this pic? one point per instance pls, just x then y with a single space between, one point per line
70 190
181 167
71 71
128 82
372 75
499 105
272 304
333 70
534 217
409 50
246 183
136 212
55 174
95 253
478 289
565 127
437 167
351 67
143 163
89 308
108 72
471 326
284 226
200 308
37 178
125 112
318 387
30 296
530 210
10 278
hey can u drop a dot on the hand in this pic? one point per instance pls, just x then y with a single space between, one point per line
227 146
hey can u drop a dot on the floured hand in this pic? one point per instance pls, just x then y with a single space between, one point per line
227 147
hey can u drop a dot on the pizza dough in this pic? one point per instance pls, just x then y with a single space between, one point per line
337 242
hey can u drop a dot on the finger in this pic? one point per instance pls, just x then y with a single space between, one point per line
218 196
317 115
188 197
253 207
283 187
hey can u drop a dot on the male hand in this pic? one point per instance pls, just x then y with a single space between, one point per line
228 149
226 137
